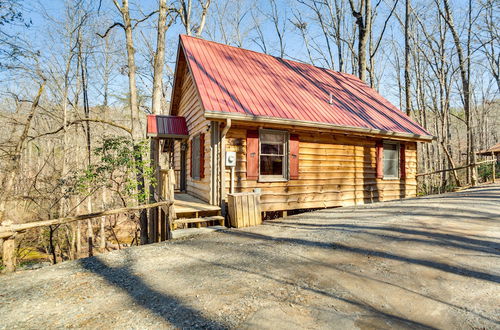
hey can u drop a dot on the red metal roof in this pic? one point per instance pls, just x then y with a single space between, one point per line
167 126
236 81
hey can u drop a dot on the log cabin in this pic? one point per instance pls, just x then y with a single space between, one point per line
302 136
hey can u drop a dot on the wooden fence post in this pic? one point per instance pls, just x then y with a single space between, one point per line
494 164
8 249
169 220
9 254
78 239
90 230
102 233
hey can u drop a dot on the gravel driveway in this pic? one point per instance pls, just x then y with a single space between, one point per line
428 262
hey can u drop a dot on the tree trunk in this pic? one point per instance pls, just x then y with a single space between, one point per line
407 59
159 60
464 66
132 84
363 21
133 102
90 231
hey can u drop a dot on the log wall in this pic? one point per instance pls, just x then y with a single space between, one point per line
191 108
334 170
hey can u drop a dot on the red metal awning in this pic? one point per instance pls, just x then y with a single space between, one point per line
167 127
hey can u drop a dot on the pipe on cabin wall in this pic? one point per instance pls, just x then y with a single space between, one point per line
223 167
232 180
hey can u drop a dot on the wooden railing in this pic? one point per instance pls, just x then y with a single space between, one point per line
9 231
431 185
494 161
177 182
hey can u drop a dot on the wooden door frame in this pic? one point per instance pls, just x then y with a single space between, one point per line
183 174
214 163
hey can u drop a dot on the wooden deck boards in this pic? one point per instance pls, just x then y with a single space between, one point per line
185 203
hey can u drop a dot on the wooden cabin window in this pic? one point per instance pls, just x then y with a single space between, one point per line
195 157
391 160
273 155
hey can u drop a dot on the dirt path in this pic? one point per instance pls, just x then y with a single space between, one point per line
423 263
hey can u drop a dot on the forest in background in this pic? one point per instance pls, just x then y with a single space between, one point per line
78 76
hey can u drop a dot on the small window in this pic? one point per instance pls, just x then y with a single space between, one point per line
391 160
273 155
195 157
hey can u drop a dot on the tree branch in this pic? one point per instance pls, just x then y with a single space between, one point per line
143 19
383 30
78 121
110 28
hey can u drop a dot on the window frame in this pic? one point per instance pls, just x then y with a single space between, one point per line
195 154
286 154
398 162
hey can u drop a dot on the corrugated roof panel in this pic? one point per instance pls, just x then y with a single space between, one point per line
167 126
151 125
239 81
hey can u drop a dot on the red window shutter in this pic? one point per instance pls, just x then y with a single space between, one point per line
402 161
202 155
252 155
191 158
380 159
294 156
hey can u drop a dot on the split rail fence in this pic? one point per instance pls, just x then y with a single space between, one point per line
455 173
463 167
9 231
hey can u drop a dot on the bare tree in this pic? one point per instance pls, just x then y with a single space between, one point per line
490 46
464 66
159 59
407 58
185 11
14 166
127 26
318 8
362 13
230 22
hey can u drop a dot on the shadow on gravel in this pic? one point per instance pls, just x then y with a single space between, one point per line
452 210
396 321
167 307
428 237
337 246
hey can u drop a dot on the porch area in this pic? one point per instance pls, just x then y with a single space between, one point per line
193 216
187 205
169 146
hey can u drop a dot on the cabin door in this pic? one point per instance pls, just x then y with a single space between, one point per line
182 183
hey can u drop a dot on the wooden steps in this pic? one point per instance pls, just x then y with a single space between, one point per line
205 219
191 210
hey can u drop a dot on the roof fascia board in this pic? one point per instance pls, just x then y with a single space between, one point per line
167 136
293 122
176 77
188 66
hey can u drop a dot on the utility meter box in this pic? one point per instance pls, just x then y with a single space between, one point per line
231 158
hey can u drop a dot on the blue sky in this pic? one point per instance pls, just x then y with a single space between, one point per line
43 35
